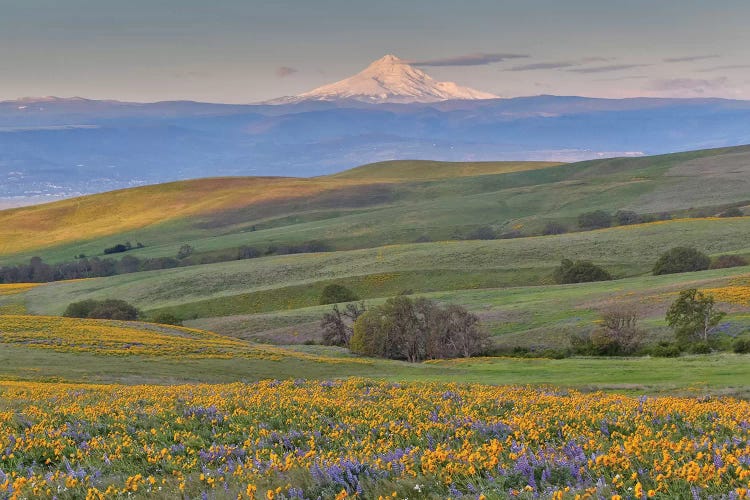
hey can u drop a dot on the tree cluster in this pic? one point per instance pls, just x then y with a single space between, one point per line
102 309
600 219
681 260
416 330
121 247
581 271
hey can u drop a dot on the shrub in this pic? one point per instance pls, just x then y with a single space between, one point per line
119 248
627 217
726 261
741 346
732 212
166 318
579 272
423 239
594 220
482 233
80 309
102 309
554 228
335 293
665 350
248 252
185 251
681 260
699 348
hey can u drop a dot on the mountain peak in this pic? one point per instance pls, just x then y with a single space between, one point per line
391 79
387 59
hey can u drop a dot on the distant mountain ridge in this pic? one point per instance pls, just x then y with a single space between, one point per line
61 147
390 79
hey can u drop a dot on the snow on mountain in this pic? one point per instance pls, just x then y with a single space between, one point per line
390 79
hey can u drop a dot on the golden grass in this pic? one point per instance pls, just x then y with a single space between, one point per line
124 338
16 288
104 214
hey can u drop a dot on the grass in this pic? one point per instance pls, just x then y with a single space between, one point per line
411 170
532 317
626 251
709 374
365 208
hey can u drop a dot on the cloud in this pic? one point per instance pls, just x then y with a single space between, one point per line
607 69
558 64
543 65
724 68
284 71
478 59
690 58
690 86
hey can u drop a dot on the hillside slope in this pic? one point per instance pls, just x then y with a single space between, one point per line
375 205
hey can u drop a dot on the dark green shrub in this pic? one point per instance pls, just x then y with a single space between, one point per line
102 309
166 318
80 309
741 346
732 212
594 220
185 251
665 350
726 261
627 217
581 271
699 348
555 354
681 260
335 293
119 248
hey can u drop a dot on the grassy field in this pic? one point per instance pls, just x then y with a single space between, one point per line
372 206
534 317
293 281
63 349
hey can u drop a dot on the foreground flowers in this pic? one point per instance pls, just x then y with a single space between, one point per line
367 439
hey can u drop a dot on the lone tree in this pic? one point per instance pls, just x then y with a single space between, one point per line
693 316
581 271
185 251
338 325
619 332
681 260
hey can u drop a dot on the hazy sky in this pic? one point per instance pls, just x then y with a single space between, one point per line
250 50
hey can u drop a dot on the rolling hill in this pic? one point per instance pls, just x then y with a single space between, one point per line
374 205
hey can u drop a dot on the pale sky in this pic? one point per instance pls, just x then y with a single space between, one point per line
245 51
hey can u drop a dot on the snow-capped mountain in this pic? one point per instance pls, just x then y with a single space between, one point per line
390 79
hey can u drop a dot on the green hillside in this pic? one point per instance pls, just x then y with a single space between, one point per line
375 205
295 280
